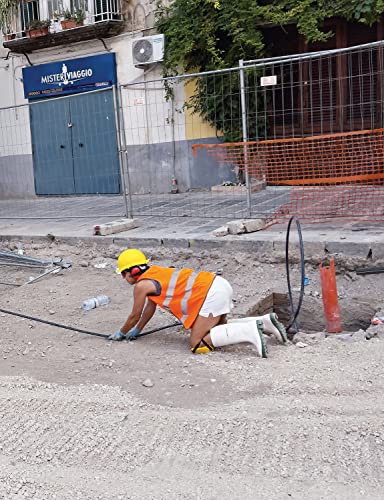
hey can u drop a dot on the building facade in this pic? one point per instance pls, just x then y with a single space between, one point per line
77 116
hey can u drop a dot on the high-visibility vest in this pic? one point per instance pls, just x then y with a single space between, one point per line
183 291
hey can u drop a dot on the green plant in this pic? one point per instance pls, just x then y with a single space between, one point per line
37 24
217 100
79 16
67 15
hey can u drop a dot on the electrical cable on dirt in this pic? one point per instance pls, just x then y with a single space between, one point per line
177 323
294 312
59 325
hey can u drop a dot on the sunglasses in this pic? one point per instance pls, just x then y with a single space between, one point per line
124 273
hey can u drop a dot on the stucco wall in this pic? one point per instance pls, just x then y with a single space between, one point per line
16 177
152 167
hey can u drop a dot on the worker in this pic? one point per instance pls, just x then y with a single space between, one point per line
200 300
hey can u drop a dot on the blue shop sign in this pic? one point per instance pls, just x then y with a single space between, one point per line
70 76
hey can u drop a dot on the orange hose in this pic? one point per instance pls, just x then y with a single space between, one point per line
330 300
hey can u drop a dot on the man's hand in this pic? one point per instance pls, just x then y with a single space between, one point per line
119 335
133 334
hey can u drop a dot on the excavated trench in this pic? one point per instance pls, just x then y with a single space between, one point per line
355 313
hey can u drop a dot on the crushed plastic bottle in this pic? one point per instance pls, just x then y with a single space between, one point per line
93 302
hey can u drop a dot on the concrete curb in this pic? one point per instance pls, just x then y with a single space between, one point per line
269 247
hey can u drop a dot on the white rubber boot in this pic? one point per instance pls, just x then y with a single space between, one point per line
244 331
271 325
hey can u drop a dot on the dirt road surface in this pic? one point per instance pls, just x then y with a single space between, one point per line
76 421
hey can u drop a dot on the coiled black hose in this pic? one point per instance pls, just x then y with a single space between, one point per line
294 312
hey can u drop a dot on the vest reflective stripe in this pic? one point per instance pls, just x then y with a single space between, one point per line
188 293
171 289
183 291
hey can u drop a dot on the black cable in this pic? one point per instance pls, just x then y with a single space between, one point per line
52 323
59 325
178 323
294 312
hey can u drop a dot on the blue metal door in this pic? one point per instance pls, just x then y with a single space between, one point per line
94 143
52 147
74 145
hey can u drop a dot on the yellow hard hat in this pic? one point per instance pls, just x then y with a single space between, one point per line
130 258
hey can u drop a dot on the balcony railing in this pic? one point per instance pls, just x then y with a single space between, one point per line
37 24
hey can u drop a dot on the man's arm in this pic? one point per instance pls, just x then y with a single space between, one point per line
148 312
140 292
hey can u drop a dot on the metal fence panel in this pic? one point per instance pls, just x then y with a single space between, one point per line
316 93
162 121
52 149
163 128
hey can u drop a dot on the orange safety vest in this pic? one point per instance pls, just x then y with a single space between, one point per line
183 291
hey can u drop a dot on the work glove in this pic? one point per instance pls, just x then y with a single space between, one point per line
133 334
119 335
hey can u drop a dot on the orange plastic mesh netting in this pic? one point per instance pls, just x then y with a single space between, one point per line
334 175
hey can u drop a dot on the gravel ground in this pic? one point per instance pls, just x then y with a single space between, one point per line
83 418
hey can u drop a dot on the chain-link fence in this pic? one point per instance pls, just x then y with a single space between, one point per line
332 91
144 149
161 122
60 158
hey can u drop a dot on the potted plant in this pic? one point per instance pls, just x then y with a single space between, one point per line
38 27
73 19
79 17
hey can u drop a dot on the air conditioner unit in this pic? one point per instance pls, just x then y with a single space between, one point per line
148 50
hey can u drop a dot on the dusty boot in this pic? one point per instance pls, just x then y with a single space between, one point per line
244 331
271 325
